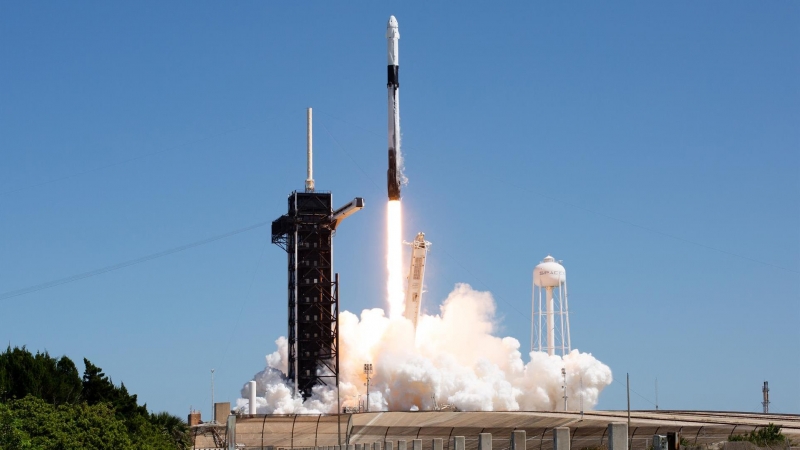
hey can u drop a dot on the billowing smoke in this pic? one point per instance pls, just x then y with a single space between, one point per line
457 359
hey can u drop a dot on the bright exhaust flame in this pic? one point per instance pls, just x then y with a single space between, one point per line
394 259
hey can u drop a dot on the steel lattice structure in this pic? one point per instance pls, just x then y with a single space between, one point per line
306 234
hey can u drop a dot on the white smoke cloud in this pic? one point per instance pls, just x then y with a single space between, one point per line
455 357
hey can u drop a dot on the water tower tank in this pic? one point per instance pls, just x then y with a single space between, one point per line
549 273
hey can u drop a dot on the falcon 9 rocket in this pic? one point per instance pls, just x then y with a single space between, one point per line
393 88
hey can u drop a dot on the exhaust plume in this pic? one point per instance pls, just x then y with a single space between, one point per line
457 358
394 258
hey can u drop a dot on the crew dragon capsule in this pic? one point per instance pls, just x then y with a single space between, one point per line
393 88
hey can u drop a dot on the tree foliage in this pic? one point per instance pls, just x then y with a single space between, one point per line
53 380
98 388
764 436
69 426
11 435
45 404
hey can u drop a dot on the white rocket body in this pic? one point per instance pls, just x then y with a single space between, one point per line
393 89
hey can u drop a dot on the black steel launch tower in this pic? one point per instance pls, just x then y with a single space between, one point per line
306 234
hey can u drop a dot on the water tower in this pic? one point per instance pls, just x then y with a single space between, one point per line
550 315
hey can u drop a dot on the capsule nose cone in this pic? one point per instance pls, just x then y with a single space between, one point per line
392 31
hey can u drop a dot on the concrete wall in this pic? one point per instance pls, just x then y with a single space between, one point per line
397 431
221 411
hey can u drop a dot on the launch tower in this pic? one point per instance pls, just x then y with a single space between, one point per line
306 234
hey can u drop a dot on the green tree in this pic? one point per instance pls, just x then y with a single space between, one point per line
68 386
98 388
69 427
96 385
22 373
45 404
34 423
154 436
764 436
173 426
19 373
11 435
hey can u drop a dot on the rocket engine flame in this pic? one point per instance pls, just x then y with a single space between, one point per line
394 259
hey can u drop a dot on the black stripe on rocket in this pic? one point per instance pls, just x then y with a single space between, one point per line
393 74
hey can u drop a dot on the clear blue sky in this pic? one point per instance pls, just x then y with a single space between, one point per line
645 144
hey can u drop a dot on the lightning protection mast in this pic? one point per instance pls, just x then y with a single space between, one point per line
564 374
368 374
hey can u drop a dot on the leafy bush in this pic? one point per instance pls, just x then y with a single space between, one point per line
764 436
69 426
11 435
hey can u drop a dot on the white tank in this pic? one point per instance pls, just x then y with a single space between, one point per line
252 394
549 273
